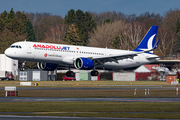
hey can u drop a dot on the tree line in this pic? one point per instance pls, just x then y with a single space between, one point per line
14 27
106 29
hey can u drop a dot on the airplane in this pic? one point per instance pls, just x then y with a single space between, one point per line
48 55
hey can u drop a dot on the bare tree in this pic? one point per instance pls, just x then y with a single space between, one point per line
56 33
171 17
134 33
166 43
130 36
104 34
42 21
113 16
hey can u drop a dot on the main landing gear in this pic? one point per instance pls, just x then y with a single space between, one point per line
70 73
94 73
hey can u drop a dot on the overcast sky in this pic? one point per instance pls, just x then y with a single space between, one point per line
61 7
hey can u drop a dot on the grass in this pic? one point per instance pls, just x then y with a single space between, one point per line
96 109
91 93
84 83
95 93
92 109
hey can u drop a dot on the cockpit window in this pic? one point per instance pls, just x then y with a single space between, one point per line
15 46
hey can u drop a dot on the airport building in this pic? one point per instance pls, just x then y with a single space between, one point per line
36 75
8 65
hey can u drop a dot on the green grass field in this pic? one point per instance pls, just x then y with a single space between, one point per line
95 109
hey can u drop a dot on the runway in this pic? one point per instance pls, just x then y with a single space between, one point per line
14 117
30 99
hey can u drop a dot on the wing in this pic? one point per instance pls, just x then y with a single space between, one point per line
115 58
125 55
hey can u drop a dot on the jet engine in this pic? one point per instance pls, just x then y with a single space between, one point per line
46 66
84 63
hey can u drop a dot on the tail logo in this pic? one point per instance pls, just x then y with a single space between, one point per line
149 43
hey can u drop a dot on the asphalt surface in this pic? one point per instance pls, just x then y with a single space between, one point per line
30 99
14 117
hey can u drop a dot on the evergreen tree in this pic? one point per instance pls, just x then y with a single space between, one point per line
177 41
177 29
1 25
116 42
83 22
70 17
10 16
13 28
21 16
3 16
107 21
28 28
119 41
72 36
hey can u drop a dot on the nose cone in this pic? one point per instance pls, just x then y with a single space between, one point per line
7 52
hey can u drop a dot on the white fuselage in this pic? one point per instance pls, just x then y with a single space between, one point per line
66 54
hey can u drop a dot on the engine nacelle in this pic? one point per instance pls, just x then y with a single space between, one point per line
46 66
84 63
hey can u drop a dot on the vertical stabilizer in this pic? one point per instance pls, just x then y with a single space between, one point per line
149 40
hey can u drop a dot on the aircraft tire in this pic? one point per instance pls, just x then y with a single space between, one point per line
94 73
70 74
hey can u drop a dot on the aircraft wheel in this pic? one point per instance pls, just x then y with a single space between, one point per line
94 73
70 73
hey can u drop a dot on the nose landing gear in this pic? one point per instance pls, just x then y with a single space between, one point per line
22 66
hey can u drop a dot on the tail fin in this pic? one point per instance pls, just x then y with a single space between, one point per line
155 46
148 41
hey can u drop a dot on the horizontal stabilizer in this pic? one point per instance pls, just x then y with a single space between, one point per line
150 58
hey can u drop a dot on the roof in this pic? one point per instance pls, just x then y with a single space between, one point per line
150 66
147 68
